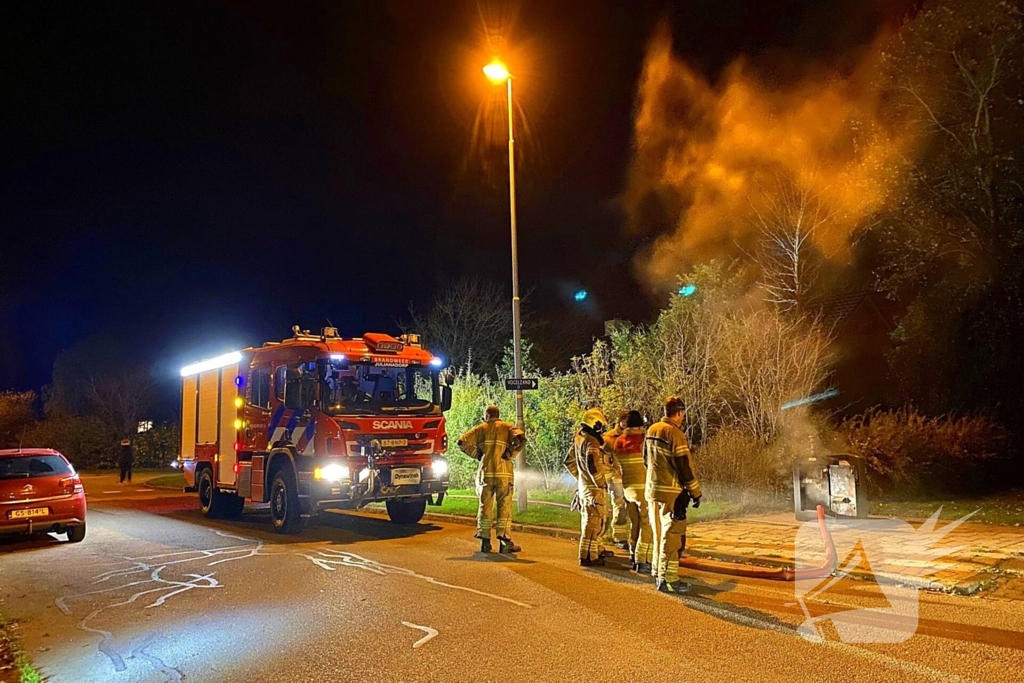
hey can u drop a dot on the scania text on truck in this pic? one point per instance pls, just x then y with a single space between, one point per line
316 422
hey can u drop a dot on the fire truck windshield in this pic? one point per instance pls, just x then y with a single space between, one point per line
347 388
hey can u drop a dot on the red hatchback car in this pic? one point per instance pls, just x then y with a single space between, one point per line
40 492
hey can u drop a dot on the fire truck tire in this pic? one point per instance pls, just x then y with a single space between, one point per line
284 503
233 505
406 511
211 501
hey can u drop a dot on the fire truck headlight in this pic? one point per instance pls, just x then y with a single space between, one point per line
439 467
332 473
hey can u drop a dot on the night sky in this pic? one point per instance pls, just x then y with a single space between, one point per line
188 178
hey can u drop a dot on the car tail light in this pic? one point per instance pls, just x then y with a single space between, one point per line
71 485
238 446
237 467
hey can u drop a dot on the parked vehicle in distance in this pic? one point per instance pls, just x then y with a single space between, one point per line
40 492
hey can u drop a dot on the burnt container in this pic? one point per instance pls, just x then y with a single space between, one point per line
836 482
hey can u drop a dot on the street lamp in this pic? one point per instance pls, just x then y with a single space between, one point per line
497 72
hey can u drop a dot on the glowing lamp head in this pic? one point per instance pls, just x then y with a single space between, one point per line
580 296
436 362
497 72
688 290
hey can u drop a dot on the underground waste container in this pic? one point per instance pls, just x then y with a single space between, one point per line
835 482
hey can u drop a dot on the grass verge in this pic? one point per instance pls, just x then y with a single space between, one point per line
1003 508
560 517
15 666
168 481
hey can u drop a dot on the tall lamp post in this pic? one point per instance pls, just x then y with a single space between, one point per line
497 73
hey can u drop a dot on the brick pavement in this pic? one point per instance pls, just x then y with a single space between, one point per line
980 556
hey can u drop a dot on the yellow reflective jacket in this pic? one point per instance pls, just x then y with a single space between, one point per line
588 462
669 464
629 452
494 444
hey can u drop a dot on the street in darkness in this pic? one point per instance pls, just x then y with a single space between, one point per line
157 593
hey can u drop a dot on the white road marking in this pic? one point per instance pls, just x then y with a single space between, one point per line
109 492
330 558
426 629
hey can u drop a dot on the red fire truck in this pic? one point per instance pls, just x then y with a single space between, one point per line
316 422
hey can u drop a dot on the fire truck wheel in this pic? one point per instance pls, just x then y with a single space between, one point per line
406 511
284 503
233 505
211 501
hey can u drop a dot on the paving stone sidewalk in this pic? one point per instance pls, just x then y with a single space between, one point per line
979 556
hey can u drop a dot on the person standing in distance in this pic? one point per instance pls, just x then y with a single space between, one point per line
671 484
494 444
126 460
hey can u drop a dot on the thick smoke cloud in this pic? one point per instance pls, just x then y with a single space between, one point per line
709 157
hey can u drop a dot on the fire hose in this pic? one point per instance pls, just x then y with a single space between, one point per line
777 573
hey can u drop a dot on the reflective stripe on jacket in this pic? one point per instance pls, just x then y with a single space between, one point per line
629 452
495 444
588 463
669 463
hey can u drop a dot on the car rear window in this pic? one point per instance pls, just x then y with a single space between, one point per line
25 467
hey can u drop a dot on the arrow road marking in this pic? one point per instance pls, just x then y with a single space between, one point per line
426 629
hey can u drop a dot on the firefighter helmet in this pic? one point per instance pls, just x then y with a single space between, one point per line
595 419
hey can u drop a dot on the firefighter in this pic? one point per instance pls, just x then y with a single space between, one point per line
590 464
670 486
126 460
494 444
629 448
619 517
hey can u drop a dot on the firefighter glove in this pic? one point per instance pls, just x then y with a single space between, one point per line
696 502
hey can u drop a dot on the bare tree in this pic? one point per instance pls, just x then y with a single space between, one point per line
469 321
766 360
121 398
791 224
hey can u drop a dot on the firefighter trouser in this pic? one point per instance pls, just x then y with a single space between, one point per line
669 533
494 491
640 537
619 520
592 523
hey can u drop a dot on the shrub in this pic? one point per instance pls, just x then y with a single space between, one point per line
735 459
83 440
909 453
158 446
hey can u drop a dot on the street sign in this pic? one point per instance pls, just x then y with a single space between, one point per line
522 384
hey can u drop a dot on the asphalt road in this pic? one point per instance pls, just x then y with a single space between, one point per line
157 593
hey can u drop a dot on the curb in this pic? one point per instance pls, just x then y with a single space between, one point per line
551 532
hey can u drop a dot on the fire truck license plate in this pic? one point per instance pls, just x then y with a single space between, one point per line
405 475
42 512
394 443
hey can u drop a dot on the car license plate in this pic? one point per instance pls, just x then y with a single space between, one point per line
42 512
394 443
405 475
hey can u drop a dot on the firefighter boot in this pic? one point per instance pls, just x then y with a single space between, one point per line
507 547
672 586
485 545
642 568
587 562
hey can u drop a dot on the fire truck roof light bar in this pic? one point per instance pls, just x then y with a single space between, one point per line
211 363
